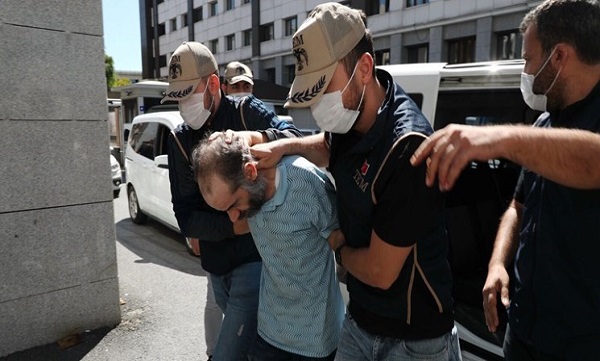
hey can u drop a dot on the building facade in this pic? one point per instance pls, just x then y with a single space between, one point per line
259 32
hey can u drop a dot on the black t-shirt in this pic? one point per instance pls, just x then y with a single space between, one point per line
378 189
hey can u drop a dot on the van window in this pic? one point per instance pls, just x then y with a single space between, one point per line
149 139
482 107
143 139
417 98
163 139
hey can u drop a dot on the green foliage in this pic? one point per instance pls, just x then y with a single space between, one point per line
109 69
121 82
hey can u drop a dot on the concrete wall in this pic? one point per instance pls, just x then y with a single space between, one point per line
58 270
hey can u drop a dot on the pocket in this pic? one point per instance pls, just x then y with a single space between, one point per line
429 349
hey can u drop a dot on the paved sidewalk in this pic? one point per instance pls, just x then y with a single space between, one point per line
163 289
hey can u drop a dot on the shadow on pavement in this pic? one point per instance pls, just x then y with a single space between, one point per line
158 244
53 352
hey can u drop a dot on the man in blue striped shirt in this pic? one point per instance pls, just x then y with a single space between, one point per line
291 213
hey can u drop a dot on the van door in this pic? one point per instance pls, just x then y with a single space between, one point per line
160 180
140 162
479 198
421 82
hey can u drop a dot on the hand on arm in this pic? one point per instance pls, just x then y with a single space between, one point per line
497 281
336 239
252 137
452 148
566 156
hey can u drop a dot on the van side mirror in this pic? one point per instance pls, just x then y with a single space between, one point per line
162 161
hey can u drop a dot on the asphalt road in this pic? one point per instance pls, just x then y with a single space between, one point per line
163 291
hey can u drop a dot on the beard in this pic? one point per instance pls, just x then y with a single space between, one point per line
256 191
554 92
356 92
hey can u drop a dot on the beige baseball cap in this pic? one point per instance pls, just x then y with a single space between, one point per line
190 62
236 72
329 33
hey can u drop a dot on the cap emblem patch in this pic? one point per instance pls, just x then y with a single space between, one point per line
308 94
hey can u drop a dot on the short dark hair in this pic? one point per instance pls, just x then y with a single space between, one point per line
216 156
575 22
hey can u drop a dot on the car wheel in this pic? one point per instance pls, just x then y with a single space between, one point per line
188 245
136 214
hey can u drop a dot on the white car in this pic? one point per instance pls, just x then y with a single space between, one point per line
115 171
147 169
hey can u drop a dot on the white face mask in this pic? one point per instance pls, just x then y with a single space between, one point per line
239 95
192 110
330 114
536 101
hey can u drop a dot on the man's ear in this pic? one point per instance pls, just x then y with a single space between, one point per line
250 171
365 68
213 84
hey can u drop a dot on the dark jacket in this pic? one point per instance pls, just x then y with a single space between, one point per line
378 190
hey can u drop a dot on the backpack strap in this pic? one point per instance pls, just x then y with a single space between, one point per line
242 112
183 152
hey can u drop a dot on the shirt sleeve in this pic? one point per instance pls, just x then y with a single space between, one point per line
406 209
325 218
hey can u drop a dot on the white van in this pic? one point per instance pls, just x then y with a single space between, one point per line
147 170
476 94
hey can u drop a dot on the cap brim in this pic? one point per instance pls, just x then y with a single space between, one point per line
239 78
308 88
180 90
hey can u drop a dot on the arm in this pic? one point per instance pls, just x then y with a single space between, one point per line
314 148
504 251
566 156
406 211
194 221
377 265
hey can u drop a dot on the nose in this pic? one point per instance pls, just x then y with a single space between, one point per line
234 214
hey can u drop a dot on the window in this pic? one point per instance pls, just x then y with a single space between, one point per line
230 42
461 50
247 35
184 20
382 57
375 7
197 14
229 4
418 53
173 24
143 138
509 45
291 25
410 3
291 73
267 32
246 1
270 75
162 61
213 8
161 29
214 46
